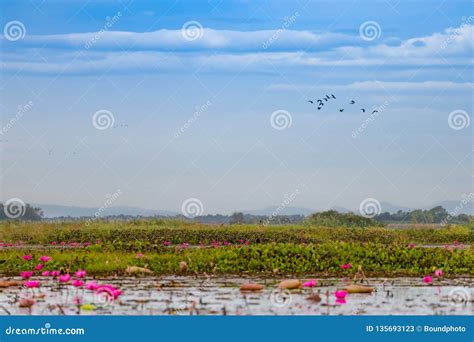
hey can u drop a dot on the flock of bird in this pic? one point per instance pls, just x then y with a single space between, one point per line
333 97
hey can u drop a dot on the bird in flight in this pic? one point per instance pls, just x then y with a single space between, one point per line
363 110
352 102
310 101
375 111
332 95
341 110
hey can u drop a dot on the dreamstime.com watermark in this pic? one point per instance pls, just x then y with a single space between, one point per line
46 330
286 202
192 207
21 110
108 202
196 115
288 21
466 199
371 118
454 33
109 22
370 207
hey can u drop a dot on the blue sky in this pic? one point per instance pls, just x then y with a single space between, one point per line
192 108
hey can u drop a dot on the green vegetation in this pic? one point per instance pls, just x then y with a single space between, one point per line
333 218
152 234
284 258
112 246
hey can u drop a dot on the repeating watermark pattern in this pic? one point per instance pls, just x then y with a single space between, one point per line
466 199
192 30
370 30
22 110
108 202
454 33
281 119
280 297
14 30
14 208
196 115
286 202
459 119
370 207
459 296
376 111
103 119
288 21
192 207
109 22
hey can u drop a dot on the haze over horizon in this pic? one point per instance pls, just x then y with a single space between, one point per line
191 112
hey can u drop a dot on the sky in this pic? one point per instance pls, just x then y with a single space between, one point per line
158 104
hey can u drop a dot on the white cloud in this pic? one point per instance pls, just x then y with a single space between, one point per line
229 50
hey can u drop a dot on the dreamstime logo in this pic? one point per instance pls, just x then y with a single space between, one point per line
192 30
459 296
14 208
370 207
281 119
192 208
466 199
374 115
459 119
196 115
286 24
108 202
14 30
280 297
370 30
109 22
286 202
22 110
455 32
103 119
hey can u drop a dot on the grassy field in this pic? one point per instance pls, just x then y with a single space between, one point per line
108 248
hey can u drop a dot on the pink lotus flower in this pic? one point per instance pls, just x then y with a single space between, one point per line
54 243
45 274
80 273
27 257
438 273
92 286
139 255
109 290
77 283
32 283
39 267
64 278
411 245
26 274
310 283
167 243
340 296
346 266
428 279
55 273
45 258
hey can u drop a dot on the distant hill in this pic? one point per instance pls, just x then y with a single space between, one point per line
52 210
285 211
